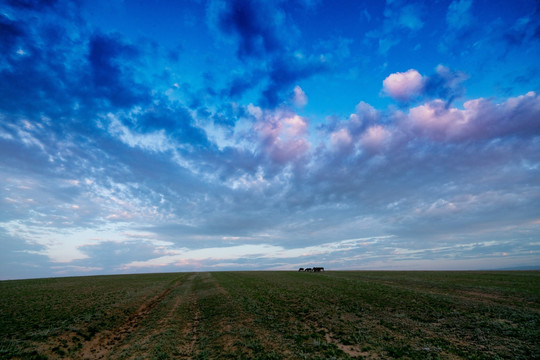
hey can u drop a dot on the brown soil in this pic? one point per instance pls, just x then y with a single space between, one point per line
103 342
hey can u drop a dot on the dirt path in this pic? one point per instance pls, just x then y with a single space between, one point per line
102 343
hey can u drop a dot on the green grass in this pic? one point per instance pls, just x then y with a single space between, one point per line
34 311
274 315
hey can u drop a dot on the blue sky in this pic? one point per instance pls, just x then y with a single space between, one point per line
147 136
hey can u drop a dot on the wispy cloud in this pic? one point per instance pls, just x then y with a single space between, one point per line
258 251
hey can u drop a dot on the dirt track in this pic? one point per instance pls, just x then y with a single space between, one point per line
102 343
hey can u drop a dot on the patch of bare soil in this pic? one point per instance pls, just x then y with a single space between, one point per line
103 342
351 350
485 297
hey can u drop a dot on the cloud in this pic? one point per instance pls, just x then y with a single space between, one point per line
106 56
240 84
173 119
259 25
409 17
267 35
115 156
259 251
404 86
32 4
399 18
459 14
342 140
411 85
480 119
445 84
21 259
11 32
525 29
299 97
283 135
375 137
286 71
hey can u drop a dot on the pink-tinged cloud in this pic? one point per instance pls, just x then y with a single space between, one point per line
342 141
404 86
283 135
375 138
479 119
299 97
434 120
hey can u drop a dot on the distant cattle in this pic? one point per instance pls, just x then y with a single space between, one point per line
314 269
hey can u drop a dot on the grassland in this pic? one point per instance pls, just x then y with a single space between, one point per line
274 315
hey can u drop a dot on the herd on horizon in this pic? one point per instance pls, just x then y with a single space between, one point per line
313 269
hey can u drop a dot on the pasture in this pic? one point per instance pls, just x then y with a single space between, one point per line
274 315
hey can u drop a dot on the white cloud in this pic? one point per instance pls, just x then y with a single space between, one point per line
257 251
404 86
155 141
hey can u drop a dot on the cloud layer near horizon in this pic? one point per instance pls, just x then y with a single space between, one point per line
115 160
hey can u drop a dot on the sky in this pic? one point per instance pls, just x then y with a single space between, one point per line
159 135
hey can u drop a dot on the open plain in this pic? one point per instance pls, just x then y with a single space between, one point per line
274 315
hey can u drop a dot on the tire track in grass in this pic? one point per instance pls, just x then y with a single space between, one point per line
173 328
164 327
186 344
106 340
194 328
238 333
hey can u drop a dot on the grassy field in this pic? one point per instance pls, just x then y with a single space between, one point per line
274 315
